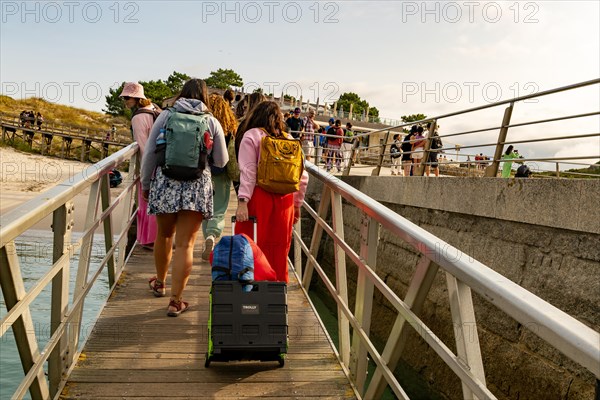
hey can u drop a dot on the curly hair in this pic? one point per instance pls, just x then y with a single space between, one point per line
221 110
142 103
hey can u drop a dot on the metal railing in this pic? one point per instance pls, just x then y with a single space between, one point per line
62 350
463 274
541 165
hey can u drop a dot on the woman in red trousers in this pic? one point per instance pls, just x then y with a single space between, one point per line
275 213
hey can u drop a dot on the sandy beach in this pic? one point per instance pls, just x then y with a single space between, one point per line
24 176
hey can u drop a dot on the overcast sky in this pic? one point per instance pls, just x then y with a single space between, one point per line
403 57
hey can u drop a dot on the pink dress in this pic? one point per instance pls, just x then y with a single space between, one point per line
146 224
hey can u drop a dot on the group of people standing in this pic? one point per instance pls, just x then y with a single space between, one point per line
171 212
411 149
330 144
29 119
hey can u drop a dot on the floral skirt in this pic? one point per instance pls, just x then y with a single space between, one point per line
168 196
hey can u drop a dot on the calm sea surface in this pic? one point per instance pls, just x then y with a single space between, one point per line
34 249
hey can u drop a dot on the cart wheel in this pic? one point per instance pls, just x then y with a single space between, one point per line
207 361
281 361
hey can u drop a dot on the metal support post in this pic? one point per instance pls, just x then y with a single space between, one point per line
492 170
377 169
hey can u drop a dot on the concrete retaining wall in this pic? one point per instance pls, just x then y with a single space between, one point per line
542 234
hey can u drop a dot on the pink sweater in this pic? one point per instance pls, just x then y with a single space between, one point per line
141 125
248 157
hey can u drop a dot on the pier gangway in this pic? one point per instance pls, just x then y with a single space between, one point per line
135 351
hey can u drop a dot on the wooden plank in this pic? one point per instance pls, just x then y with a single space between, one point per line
239 390
220 374
197 396
112 370
136 351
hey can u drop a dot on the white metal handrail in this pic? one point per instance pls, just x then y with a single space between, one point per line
463 274
61 351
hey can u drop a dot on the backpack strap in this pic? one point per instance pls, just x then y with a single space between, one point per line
154 113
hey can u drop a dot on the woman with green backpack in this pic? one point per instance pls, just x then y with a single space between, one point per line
178 186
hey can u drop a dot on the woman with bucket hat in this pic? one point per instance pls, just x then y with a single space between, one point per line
143 118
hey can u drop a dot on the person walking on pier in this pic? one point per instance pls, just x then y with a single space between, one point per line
180 205
229 96
308 137
141 123
275 213
295 124
417 147
334 146
213 228
436 145
406 151
395 154
347 145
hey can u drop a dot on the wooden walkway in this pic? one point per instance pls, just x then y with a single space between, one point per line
136 352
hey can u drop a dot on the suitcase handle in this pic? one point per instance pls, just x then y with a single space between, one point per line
254 223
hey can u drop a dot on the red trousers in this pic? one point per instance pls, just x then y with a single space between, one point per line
275 218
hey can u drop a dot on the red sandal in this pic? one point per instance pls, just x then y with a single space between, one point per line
180 307
157 287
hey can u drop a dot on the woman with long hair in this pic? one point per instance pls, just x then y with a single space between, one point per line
213 228
180 205
144 114
275 213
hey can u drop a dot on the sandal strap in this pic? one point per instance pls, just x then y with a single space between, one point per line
178 304
156 284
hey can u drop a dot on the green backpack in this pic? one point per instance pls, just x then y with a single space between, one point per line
188 142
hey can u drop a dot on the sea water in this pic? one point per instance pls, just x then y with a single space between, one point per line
34 250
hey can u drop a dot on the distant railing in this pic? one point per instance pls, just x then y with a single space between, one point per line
545 166
463 274
61 351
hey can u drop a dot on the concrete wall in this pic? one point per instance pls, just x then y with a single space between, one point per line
542 234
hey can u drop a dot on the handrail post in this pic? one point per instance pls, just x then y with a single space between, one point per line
377 169
13 289
315 241
108 231
369 238
85 254
557 170
297 249
465 329
62 224
492 170
419 287
341 278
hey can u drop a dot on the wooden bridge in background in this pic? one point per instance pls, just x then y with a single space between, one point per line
88 140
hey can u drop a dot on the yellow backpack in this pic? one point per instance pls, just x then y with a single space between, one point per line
281 164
